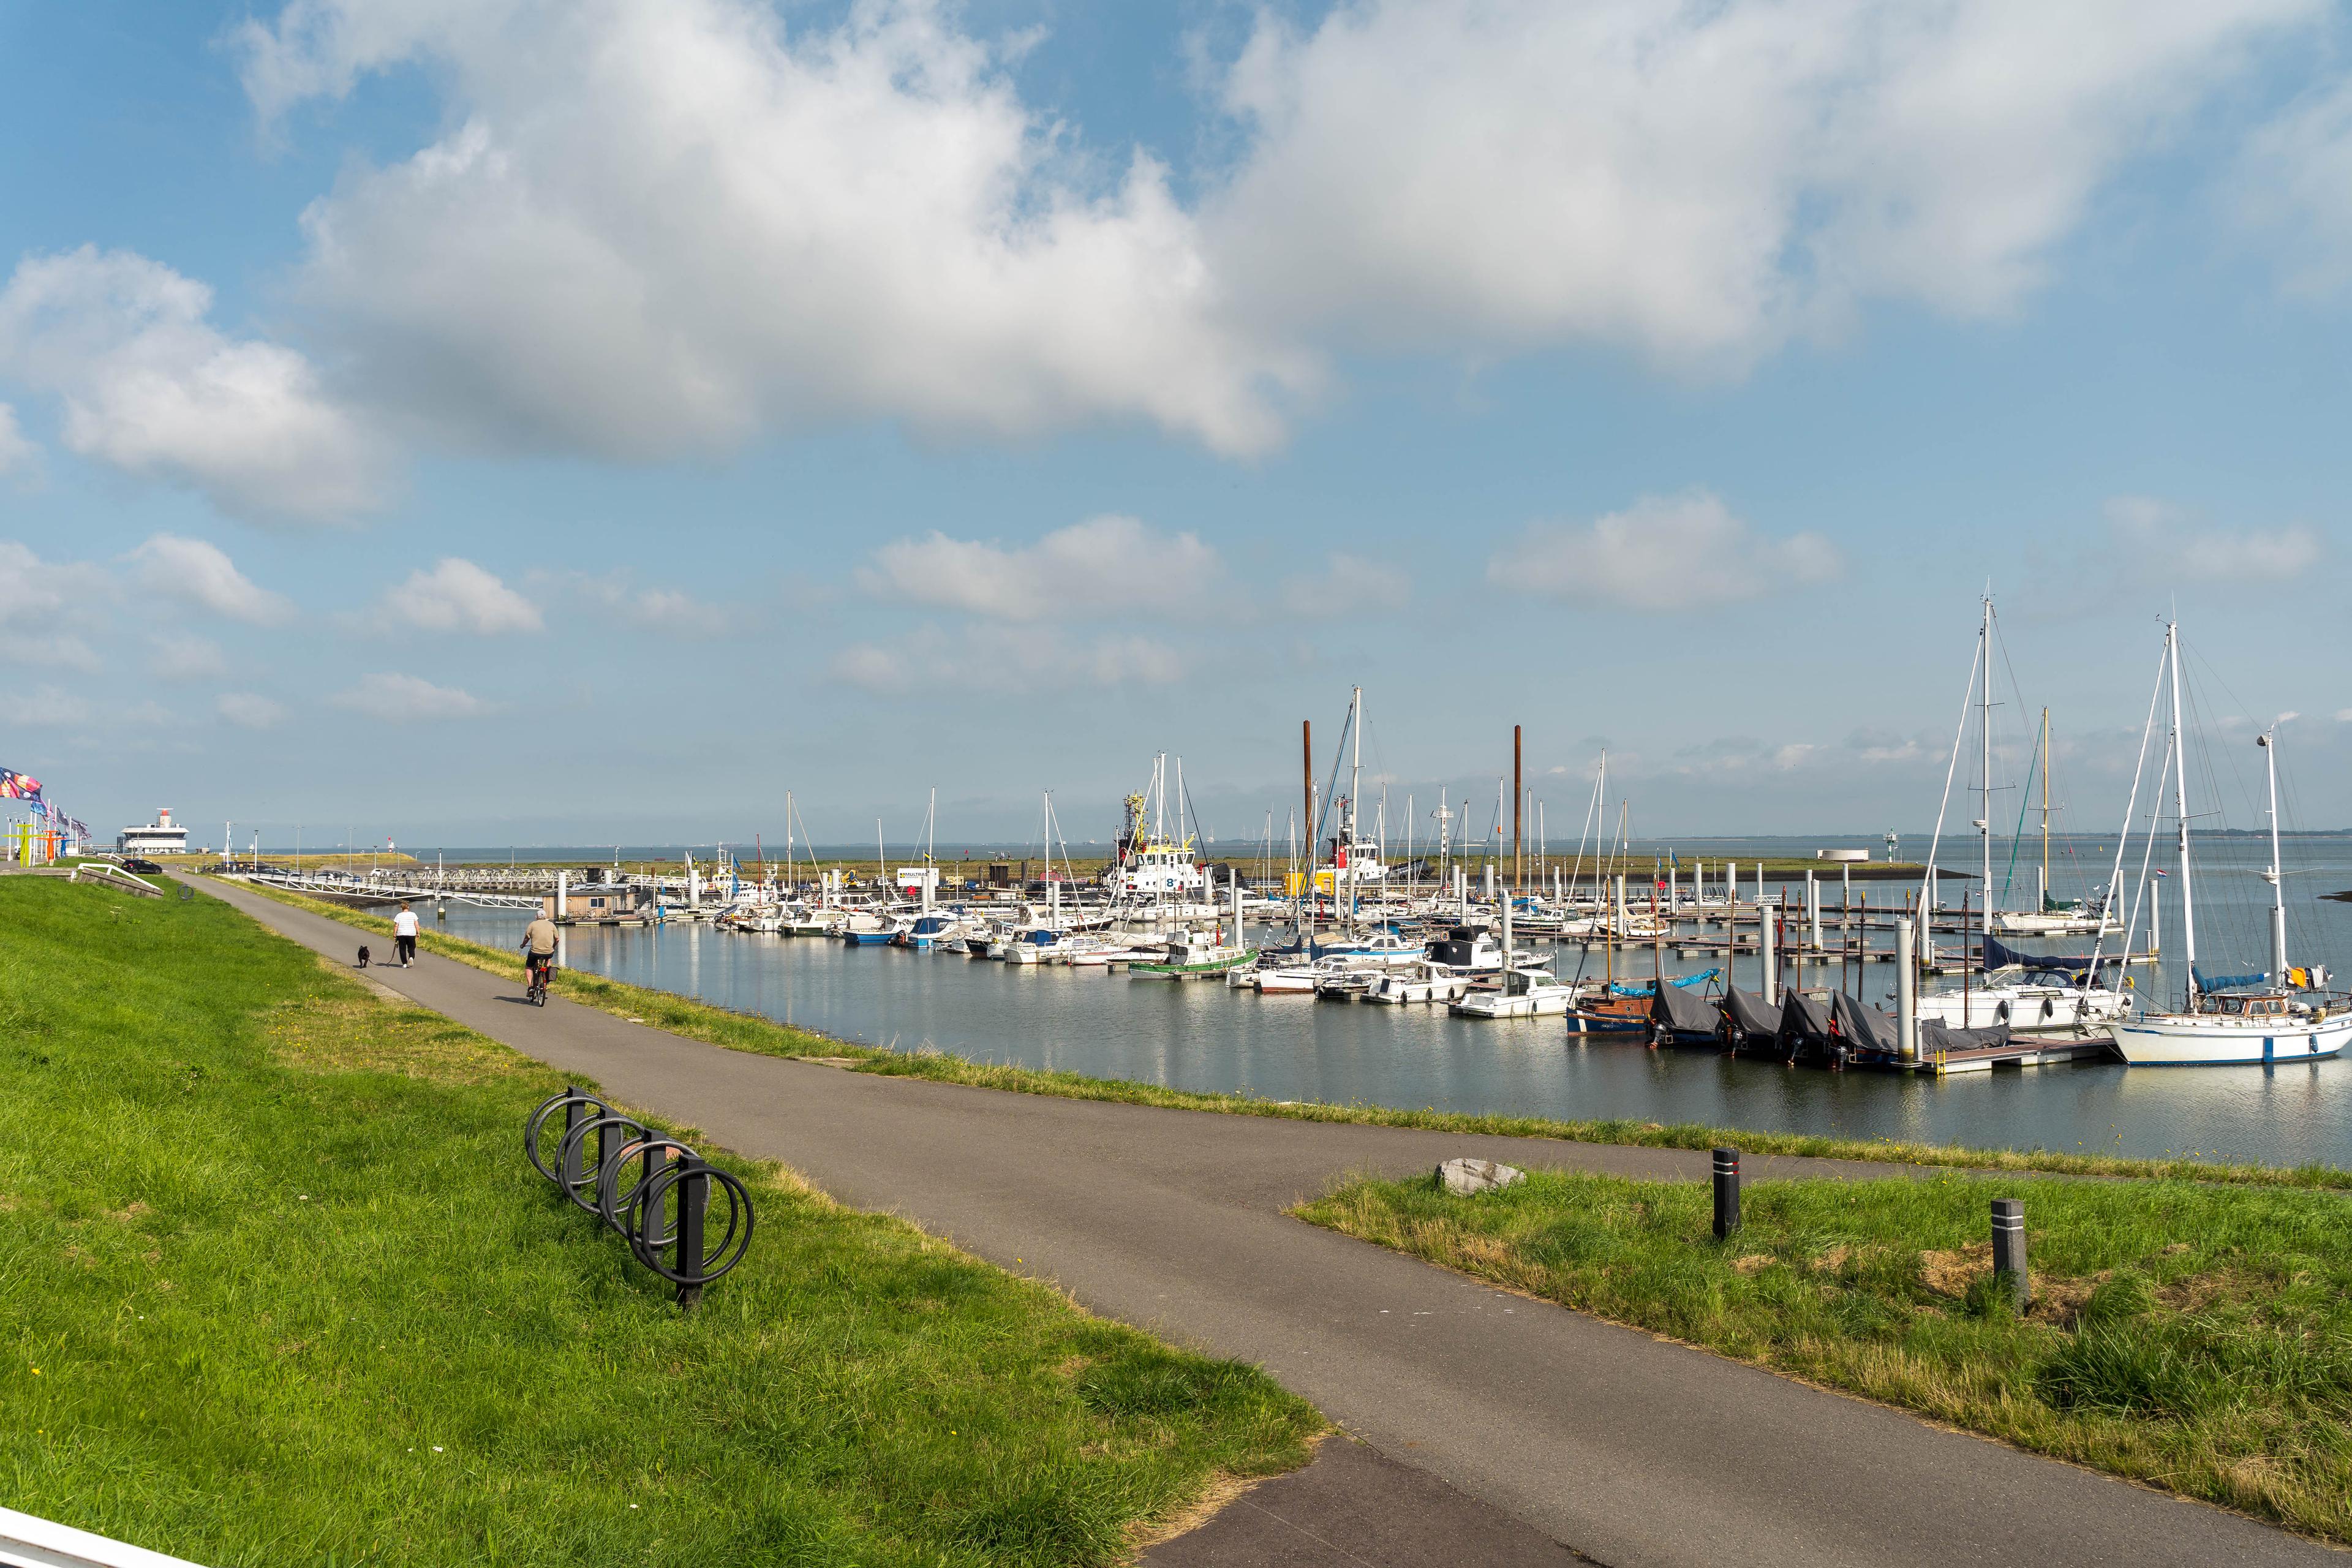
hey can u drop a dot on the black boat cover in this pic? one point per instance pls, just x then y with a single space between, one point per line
1935 1037
1802 1018
1674 1008
1749 1014
1865 1029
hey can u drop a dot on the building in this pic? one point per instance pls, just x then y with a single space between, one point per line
158 838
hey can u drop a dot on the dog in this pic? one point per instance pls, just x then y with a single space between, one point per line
363 958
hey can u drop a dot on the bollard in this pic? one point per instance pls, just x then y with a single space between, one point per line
1726 1193
2009 1248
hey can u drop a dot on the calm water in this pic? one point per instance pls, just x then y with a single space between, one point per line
1204 1036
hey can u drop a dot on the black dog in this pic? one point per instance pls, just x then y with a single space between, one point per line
364 957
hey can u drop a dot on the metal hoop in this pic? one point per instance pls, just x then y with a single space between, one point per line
533 1129
715 1261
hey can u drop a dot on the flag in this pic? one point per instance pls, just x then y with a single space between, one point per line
2161 872
14 785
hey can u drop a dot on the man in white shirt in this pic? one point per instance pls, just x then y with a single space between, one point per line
403 935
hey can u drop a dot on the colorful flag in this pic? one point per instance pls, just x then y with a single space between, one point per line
14 785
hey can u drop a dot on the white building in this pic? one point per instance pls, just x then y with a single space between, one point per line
158 838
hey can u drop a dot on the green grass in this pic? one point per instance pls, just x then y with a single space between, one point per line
2193 1336
277 1287
749 1032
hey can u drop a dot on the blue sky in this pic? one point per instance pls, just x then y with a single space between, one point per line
512 421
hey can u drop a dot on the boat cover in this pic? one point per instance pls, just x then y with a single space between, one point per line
1747 1012
1935 1037
1619 988
1865 1029
1675 1008
1802 1018
1998 955
2224 981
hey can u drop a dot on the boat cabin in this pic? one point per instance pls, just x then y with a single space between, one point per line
2271 1006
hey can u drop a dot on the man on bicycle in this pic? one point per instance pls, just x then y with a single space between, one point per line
538 948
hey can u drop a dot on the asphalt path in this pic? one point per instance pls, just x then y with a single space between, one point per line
1626 1448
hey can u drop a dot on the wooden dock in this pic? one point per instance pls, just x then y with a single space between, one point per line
2022 1051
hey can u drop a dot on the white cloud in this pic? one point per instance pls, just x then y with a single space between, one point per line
654 226
1348 585
17 453
670 611
1662 553
1694 182
457 595
202 574
250 711
2294 186
1104 566
405 699
151 387
186 657
932 657
49 708
46 606
2174 546
2344 715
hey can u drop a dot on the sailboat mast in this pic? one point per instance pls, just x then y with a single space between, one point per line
2045 807
1984 741
2180 813
2269 744
1355 785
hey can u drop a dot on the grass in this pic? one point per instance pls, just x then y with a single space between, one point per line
749 1032
277 1285
2194 1337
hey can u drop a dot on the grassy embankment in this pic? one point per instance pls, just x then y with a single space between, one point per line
277 1285
2194 1337
749 1032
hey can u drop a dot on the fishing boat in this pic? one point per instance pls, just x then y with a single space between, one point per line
1195 955
2280 1015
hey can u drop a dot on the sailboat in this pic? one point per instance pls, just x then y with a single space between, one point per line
2279 1015
2051 916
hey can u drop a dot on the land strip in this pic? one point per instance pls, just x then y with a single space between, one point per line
749 1032
1626 1447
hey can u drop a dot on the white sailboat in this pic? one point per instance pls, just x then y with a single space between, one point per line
2238 1027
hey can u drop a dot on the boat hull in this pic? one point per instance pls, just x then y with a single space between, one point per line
2203 1042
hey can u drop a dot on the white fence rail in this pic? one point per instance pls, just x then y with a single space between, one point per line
29 1542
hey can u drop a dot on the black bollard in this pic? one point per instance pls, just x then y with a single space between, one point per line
693 1198
1726 1193
2009 1248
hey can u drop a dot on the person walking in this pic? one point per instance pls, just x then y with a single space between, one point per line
404 936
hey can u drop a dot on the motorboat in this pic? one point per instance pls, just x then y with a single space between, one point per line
1517 993
1422 981
1194 956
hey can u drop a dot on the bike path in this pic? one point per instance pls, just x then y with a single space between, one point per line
1622 1448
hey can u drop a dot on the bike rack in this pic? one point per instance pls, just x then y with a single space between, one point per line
654 1191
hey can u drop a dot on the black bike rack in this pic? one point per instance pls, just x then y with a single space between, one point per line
657 1192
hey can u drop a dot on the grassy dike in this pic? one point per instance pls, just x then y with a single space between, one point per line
2191 1336
749 1032
277 1287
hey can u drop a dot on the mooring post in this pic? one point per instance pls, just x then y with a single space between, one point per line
1768 951
2009 1249
1812 912
1726 1193
1906 991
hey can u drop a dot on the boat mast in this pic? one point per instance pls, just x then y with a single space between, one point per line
1984 741
2180 812
2045 810
2269 744
1355 786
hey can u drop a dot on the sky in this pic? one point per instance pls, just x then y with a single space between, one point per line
481 421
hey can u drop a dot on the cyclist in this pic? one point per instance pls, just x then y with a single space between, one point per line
539 950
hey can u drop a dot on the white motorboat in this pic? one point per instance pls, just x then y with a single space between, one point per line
1521 994
1424 981
2039 1002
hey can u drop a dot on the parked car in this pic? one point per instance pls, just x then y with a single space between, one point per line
147 867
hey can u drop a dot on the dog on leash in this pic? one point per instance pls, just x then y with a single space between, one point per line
363 958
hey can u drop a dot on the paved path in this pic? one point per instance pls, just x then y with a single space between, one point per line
1627 1450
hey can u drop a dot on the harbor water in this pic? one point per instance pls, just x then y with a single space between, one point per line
1205 1036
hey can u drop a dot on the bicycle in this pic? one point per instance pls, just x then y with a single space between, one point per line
538 968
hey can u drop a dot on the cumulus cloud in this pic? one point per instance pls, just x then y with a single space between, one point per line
937 657
202 574
2294 188
1347 584
150 386
668 612
1105 565
1696 182
17 453
2175 546
407 699
185 657
1662 553
655 227
455 595
249 710
46 606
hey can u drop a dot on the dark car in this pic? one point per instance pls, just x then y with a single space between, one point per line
148 866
